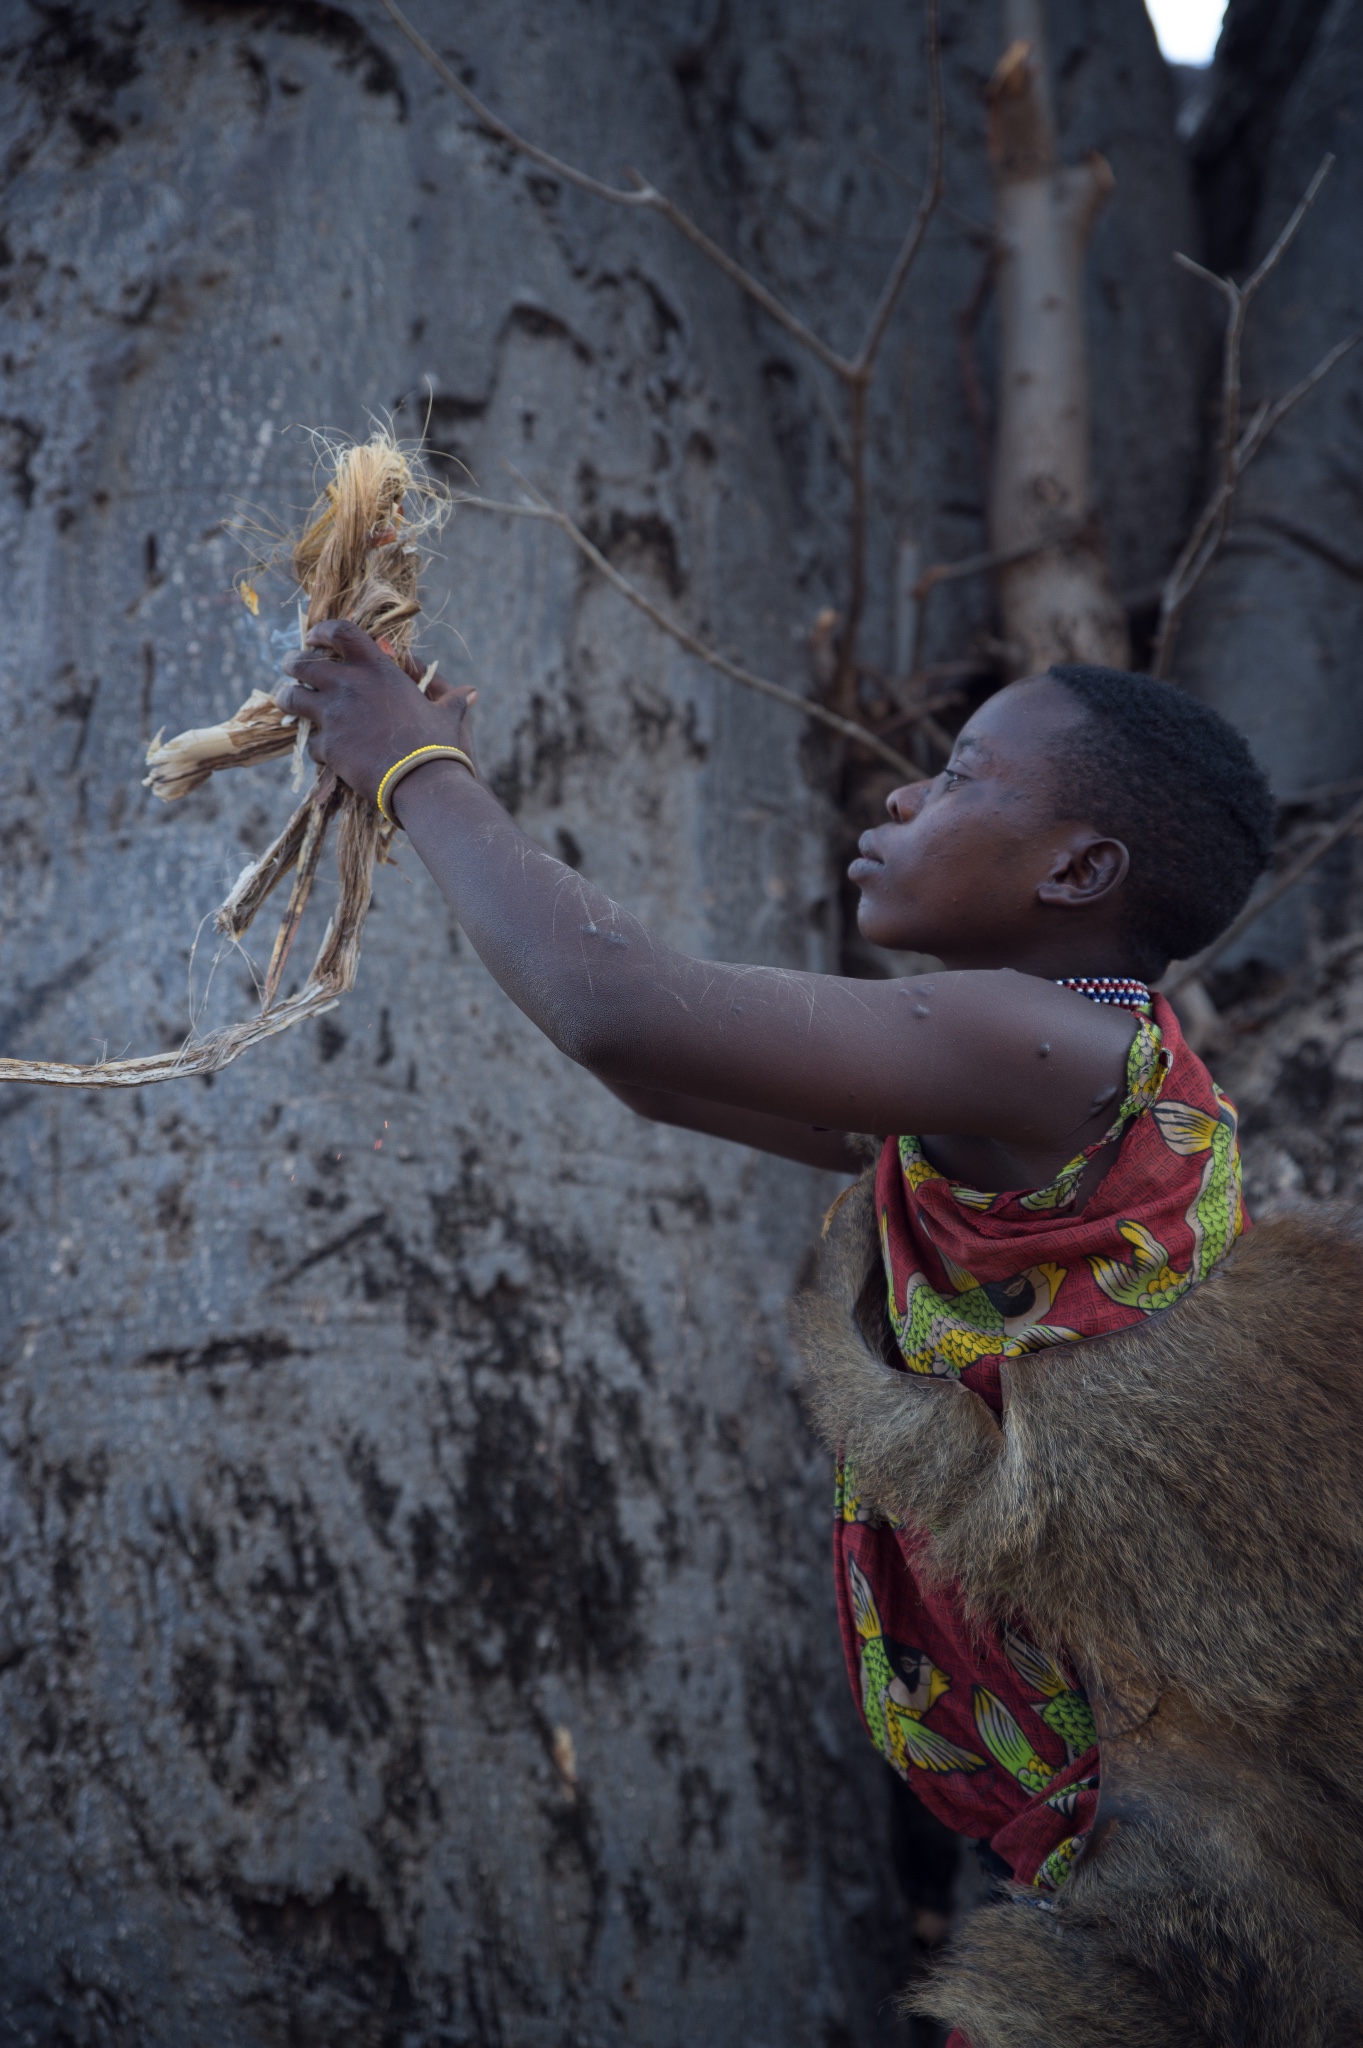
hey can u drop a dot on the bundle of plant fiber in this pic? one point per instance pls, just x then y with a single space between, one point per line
358 557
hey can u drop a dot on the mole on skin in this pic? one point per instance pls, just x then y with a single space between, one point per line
1044 1048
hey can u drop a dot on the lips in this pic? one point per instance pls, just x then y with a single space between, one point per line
864 868
868 861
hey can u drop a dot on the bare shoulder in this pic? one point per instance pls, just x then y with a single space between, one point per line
996 1052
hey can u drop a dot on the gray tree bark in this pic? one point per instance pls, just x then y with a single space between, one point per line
416 1624
1272 638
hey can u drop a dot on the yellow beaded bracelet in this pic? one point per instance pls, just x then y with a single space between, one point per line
417 759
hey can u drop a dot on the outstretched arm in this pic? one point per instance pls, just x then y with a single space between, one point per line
1008 1056
833 1150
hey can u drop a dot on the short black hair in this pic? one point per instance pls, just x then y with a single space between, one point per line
1178 785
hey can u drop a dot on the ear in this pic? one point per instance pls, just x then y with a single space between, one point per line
1085 872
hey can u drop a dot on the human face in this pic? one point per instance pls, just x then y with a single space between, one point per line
973 865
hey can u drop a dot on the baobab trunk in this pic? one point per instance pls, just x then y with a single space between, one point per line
415 1621
1057 603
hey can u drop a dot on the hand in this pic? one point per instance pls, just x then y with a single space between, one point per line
365 709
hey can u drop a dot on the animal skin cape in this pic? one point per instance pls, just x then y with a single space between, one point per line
992 1732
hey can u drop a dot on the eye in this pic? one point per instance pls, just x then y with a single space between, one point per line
950 777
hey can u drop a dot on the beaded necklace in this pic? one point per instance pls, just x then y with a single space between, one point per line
1123 990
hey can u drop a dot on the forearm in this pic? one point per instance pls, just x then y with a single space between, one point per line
807 1049
1010 1057
834 1151
579 966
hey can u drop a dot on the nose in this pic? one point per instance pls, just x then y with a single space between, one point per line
906 802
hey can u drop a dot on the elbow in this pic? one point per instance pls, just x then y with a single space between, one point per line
595 1042
649 1103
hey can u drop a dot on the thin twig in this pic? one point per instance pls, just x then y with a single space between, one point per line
1259 431
1289 232
1237 447
904 721
854 371
862 368
927 205
657 202
642 198
1293 873
980 231
809 707
981 565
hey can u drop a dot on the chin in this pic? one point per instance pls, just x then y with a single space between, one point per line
877 933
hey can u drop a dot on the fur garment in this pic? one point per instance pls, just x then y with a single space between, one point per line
1180 1505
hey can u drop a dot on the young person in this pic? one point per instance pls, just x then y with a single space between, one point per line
1055 1162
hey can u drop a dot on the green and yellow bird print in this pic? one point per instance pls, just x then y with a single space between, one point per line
1062 1706
1215 1216
1007 1743
945 1334
894 1701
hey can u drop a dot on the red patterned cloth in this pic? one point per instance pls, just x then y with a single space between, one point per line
995 1736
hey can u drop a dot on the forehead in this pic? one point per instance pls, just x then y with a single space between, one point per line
1016 731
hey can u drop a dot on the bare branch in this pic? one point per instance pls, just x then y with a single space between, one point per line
657 202
809 707
927 205
998 558
1259 431
1289 233
498 128
854 372
1222 284
644 198
979 231
981 565
1237 448
862 369
1277 888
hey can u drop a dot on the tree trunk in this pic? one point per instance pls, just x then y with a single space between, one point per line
1057 603
1272 637
416 1622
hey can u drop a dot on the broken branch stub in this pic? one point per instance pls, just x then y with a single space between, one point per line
358 557
1056 597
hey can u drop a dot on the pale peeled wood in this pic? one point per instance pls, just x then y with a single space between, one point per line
1058 604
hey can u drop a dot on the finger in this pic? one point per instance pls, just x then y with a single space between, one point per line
299 702
315 671
343 638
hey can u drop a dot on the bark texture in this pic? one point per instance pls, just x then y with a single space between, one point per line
1272 638
415 1622
1056 605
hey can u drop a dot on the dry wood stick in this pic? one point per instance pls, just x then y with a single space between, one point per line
322 805
855 371
1188 970
643 198
255 885
1237 446
862 367
981 565
809 707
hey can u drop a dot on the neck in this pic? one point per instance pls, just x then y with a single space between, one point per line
1055 960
